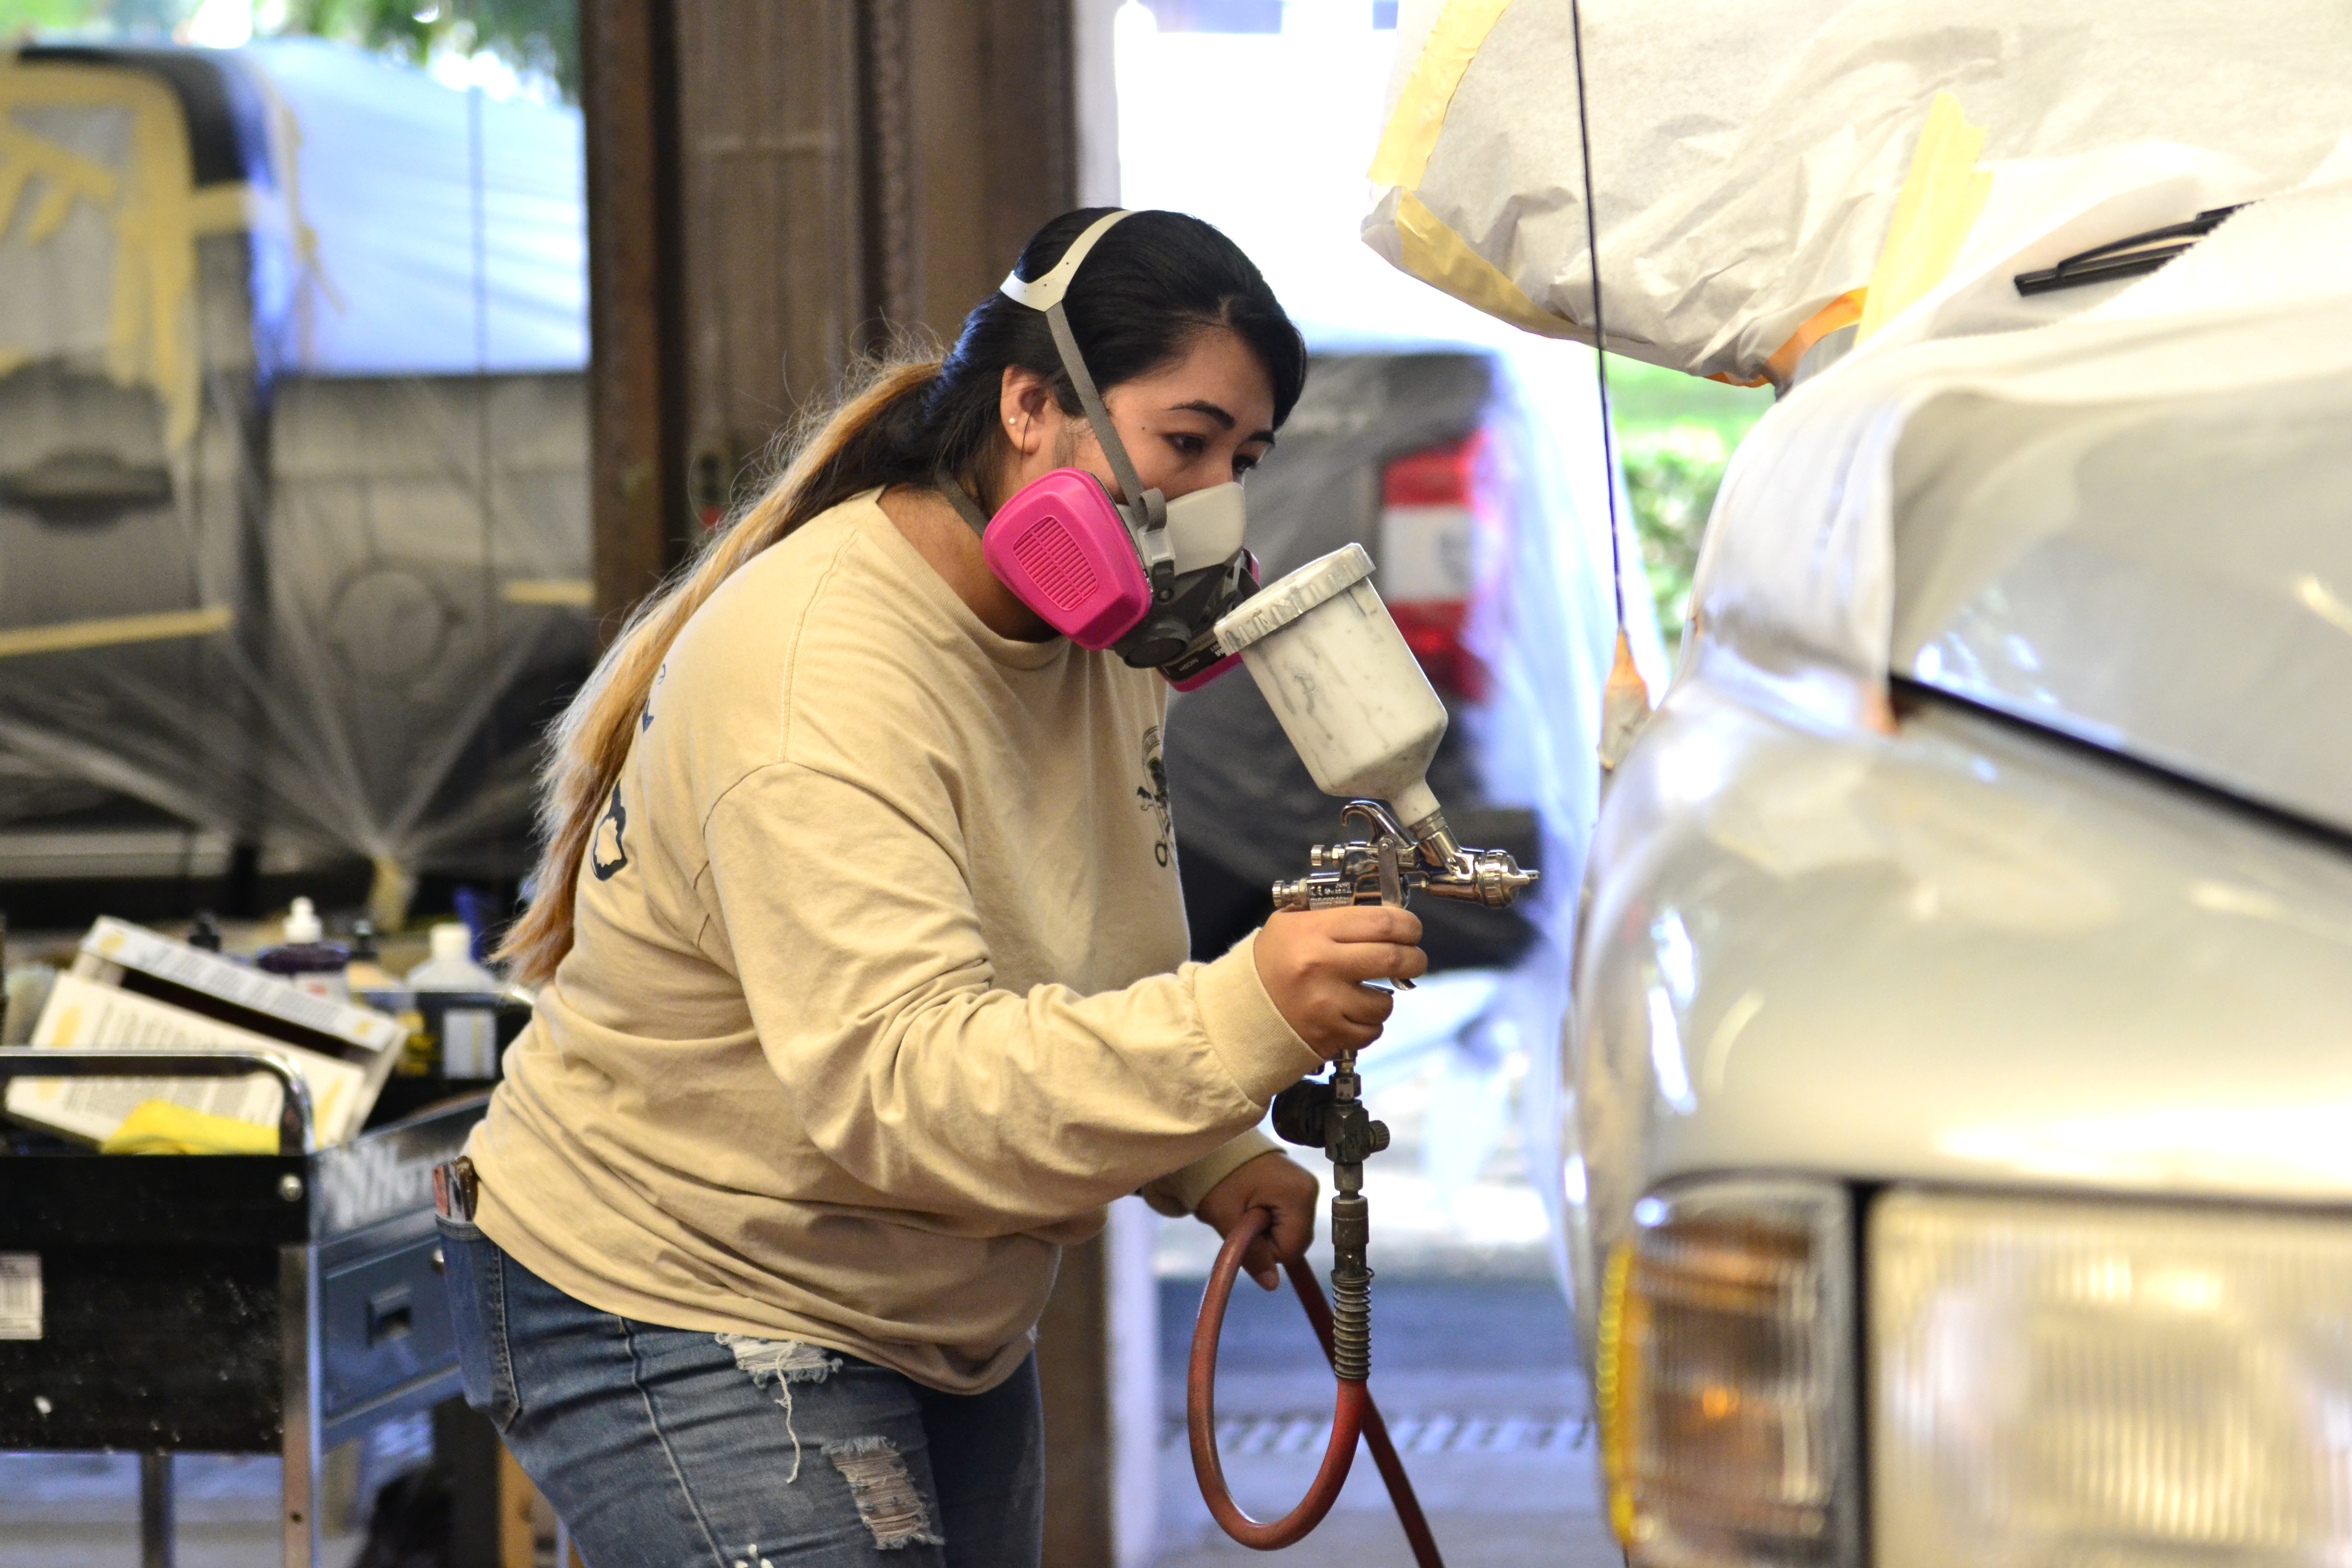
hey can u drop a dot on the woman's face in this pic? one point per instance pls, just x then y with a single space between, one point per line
1204 419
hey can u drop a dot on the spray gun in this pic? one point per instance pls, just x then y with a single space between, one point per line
1353 698
1354 701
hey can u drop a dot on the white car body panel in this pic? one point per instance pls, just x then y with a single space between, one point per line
1961 955
2102 944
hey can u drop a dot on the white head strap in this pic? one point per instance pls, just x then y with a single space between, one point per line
1147 509
1045 291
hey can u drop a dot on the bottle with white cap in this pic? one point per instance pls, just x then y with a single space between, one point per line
452 965
467 1029
305 959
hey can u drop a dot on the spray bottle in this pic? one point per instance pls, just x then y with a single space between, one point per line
1354 701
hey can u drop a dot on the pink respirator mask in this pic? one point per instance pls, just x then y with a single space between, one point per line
1146 580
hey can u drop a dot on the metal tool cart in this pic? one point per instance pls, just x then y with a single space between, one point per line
226 1304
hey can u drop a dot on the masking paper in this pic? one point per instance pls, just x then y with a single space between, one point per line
1750 157
1801 570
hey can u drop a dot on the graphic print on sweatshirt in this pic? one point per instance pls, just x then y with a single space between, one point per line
646 714
607 855
1153 795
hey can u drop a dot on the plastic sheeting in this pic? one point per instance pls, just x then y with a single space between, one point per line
441 232
350 653
320 594
121 160
1750 157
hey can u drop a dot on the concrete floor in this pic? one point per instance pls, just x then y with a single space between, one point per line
1503 1462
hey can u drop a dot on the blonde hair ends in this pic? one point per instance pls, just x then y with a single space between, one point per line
590 743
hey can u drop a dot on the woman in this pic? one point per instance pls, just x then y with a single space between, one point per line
861 969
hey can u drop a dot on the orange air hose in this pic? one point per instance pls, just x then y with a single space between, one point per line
1353 1413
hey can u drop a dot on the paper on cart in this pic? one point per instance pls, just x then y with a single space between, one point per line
152 952
83 1013
1750 157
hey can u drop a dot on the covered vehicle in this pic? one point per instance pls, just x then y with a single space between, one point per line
1989 1045
293 509
1957 1062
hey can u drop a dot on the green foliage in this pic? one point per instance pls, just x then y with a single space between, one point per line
539 37
1674 434
535 37
1672 472
156 15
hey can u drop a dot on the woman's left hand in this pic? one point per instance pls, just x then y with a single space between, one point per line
1271 1182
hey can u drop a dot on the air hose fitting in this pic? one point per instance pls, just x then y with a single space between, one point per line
1351 1292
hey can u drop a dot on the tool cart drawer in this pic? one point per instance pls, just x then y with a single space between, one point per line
383 1315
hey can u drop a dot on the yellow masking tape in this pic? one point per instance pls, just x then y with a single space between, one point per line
65 177
221 209
1419 113
150 326
576 592
1941 200
65 636
1441 259
285 151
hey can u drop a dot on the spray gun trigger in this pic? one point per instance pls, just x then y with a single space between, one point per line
1391 887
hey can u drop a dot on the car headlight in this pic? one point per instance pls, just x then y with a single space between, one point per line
1724 1380
2108 1383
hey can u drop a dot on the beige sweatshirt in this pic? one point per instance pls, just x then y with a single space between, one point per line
878 991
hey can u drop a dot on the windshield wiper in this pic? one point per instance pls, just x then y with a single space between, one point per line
2125 258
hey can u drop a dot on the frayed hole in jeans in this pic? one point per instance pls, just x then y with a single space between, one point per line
884 1491
787 1362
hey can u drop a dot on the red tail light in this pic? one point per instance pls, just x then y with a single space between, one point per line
1427 567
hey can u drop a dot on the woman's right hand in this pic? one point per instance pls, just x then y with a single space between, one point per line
1314 964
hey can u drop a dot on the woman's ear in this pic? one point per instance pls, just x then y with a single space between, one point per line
1022 406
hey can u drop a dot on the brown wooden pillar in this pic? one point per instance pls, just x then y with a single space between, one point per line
629 86
776 187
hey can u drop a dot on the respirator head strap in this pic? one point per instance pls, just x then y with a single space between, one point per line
961 499
1147 510
1149 507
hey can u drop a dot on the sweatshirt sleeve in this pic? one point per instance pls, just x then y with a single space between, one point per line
852 934
1178 1192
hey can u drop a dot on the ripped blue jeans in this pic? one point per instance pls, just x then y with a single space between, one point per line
668 1447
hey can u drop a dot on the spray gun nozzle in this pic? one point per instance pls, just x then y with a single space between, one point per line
1389 863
